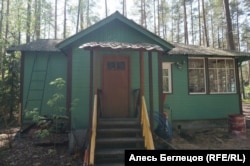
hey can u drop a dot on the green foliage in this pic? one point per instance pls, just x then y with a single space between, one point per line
9 86
247 89
42 133
56 98
34 114
59 120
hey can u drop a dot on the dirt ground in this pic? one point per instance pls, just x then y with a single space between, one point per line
25 152
210 139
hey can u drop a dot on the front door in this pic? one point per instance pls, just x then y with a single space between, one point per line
115 86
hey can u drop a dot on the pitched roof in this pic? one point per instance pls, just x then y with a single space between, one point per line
38 45
195 50
119 45
116 16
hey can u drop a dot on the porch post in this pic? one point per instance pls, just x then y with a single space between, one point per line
69 85
160 81
151 92
141 73
91 86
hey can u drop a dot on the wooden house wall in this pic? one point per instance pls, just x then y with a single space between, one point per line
114 31
57 67
81 81
187 106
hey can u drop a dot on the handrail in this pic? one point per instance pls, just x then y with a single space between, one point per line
148 138
93 133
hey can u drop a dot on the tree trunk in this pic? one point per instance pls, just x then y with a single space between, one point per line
185 23
1 31
237 24
230 39
199 10
144 14
205 23
212 29
78 15
55 19
88 17
124 8
81 17
65 19
106 8
38 18
28 23
154 18
158 18
192 21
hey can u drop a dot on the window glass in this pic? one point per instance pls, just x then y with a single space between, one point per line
221 75
196 75
166 77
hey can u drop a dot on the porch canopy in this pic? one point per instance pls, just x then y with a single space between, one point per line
123 46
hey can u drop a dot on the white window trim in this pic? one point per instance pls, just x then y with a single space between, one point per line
205 92
168 65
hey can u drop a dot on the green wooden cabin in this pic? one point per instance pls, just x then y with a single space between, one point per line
117 57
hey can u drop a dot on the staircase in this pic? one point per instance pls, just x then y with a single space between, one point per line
113 137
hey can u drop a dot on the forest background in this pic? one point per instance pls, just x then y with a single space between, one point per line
221 24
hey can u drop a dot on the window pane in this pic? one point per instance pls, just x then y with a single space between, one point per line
165 84
230 63
165 72
166 77
221 63
213 80
196 75
196 63
212 63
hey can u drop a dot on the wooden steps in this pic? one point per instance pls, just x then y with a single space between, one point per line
113 137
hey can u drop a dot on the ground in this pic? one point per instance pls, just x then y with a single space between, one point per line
24 150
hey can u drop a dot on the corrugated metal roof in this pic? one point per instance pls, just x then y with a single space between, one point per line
38 45
182 49
119 45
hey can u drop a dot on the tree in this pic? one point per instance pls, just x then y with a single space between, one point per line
106 8
55 30
65 19
37 18
230 39
205 24
185 23
124 8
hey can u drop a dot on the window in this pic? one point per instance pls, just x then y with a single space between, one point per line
116 65
166 77
196 72
221 75
215 77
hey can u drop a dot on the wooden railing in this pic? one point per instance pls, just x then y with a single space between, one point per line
93 133
148 138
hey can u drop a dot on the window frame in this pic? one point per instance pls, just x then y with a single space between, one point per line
167 65
205 75
226 71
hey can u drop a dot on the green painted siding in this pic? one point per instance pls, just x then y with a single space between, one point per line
115 31
80 88
34 77
196 106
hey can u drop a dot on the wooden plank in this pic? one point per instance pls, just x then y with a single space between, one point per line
142 73
69 85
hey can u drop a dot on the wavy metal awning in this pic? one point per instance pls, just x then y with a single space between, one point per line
122 46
